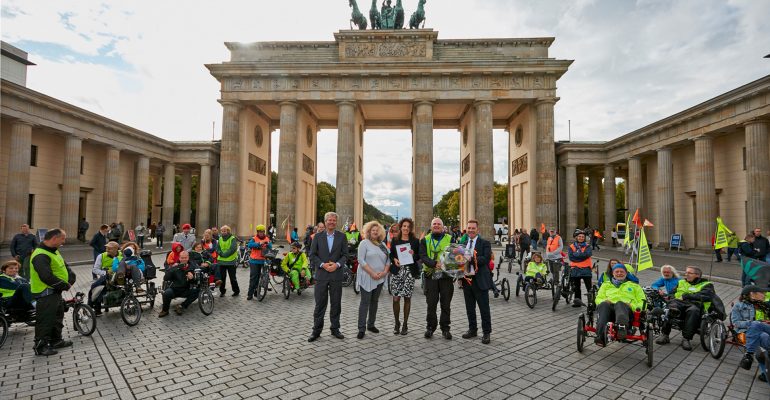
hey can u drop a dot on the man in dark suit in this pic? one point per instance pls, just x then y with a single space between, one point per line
328 254
477 290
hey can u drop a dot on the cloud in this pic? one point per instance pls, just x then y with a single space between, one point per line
142 63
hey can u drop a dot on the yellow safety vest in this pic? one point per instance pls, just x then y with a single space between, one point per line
7 293
58 268
225 246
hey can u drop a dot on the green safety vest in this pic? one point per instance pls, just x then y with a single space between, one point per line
352 237
534 268
7 293
107 261
758 314
685 287
225 246
434 250
58 268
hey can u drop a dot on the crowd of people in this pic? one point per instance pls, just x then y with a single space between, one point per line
380 251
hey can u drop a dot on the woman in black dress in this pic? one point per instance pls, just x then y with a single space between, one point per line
403 276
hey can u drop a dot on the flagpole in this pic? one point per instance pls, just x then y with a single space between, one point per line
713 251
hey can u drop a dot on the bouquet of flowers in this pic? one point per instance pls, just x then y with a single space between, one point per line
454 261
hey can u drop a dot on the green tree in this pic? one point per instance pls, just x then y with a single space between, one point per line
448 208
326 199
273 193
501 201
620 201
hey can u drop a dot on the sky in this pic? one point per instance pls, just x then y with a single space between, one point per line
142 64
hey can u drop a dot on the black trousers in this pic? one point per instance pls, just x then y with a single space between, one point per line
523 250
255 272
575 282
618 312
325 292
474 296
160 239
440 290
49 318
190 295
689 314
225 270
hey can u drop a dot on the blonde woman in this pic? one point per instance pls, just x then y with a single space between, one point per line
373 264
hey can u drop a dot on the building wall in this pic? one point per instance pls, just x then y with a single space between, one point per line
255 192
684 181
650 178
5 152
521 193
358 192
13 71
731 178
46 178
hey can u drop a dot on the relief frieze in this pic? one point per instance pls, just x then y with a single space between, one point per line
390 83
391 50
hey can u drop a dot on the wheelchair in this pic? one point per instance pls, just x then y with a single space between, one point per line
641 328
712 330
532 286
83 317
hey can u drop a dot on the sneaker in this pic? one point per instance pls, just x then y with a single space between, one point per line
61 344
686 345
663 339
762 378
746 361
250 297
428 334
598 341
373 329
469 334
178 309
360 335
44 349
235 294
447 335
162 314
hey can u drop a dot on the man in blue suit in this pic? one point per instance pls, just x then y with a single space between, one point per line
328 254
476 287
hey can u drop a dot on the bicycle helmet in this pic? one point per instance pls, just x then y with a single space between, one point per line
260 228
296 244
578 232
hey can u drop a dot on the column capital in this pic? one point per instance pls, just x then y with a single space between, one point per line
429 102
634 157
23 122
480 102
230 103
341 103
754 121
664 149
546 100
701 137
288 103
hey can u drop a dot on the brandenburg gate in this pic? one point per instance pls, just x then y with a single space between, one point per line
387 79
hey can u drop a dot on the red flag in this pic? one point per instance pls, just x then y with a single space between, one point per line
636 219
542 227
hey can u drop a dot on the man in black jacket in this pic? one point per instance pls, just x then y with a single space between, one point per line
49 277
99 241
762 245
476 287
181 277
692 296
534 236
22 246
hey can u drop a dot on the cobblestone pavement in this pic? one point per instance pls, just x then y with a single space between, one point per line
248 349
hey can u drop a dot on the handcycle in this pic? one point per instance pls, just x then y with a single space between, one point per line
563 287
242 260
532 286
126 295
83 317
509 256
349 271
272 268
641 327
501 286
712 330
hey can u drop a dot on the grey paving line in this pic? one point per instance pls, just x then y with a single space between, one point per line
117 377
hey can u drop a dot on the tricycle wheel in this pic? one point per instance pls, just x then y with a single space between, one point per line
84 319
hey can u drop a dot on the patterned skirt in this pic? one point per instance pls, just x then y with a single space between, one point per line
402 283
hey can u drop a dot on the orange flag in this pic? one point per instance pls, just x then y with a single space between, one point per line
542 227
647 222
636 219
288 231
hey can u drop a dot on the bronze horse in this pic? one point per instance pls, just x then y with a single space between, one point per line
356 18
418 17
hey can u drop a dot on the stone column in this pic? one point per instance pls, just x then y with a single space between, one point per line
142 195
70 192
705 191
346 163
757 175
169 173
546 210
423 165
634 187
484 176
185 200
610 210
287 166
581 202
572 198
229 164
594 190
665 197
111 184
157 190
204 196
17 192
